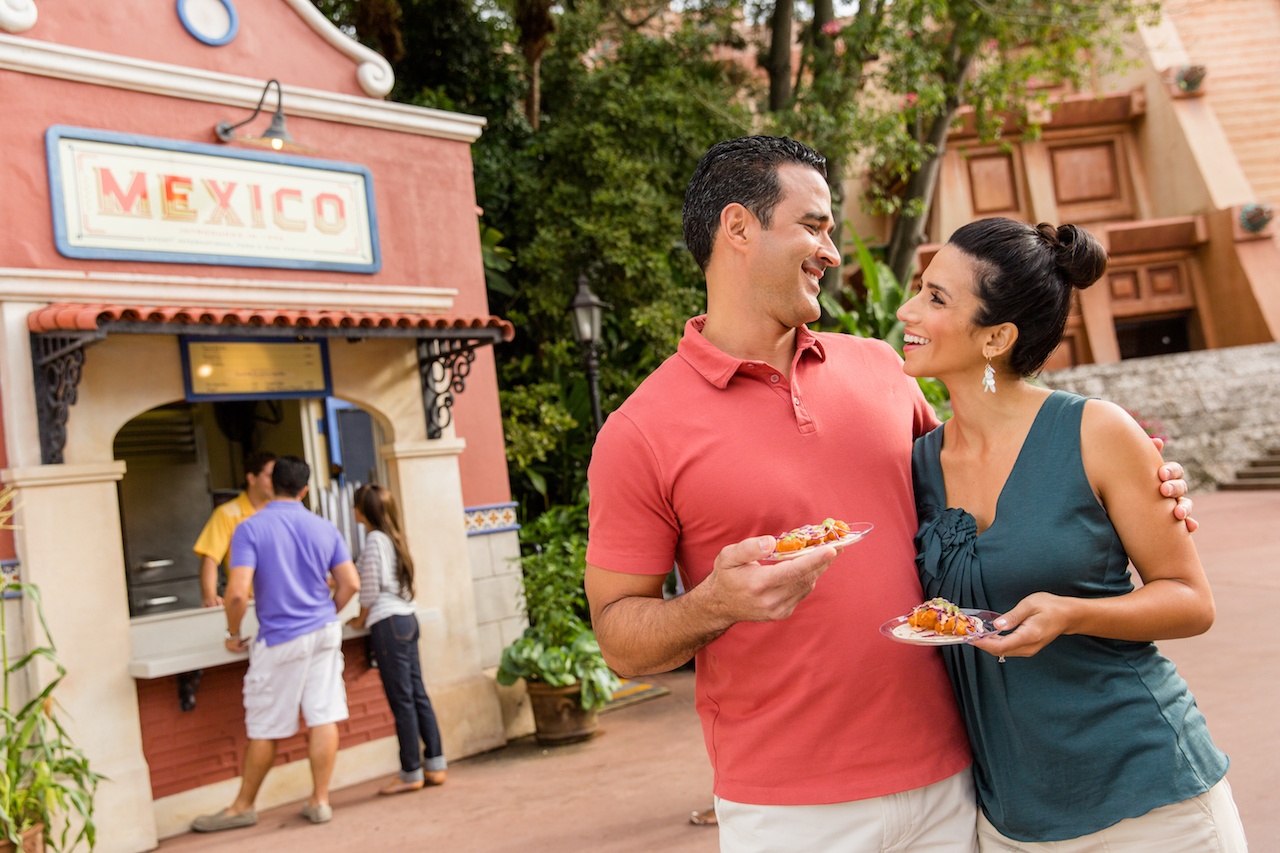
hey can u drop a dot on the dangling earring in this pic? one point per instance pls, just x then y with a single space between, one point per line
989 378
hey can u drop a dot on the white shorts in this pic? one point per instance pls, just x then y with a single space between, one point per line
303 674
937 818
1208 823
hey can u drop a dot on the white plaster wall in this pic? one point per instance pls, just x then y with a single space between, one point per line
496 577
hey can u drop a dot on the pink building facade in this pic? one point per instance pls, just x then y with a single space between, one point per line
169 301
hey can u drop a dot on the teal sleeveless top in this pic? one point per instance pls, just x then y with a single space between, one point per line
1089 731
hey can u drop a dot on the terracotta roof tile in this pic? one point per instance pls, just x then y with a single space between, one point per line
74 316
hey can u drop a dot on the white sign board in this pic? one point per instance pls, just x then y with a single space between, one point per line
126 197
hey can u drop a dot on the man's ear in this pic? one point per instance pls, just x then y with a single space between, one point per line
302 495
999 340
735 225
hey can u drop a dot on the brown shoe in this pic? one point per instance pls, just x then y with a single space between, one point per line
434 777
706 817
399 787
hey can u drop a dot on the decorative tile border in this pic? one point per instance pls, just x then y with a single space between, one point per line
492 518
10 572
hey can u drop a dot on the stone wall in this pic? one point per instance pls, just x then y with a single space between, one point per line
1220 408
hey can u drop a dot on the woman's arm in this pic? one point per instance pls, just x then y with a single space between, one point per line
369 567
1174 600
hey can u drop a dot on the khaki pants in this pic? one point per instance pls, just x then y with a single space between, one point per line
1208 823
938 818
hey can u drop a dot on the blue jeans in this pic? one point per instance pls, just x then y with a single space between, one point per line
395 645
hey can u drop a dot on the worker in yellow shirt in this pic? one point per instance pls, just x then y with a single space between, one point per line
215 540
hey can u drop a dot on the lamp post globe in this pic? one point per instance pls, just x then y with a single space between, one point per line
588 319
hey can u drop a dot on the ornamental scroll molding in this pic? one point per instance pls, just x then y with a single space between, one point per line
443 367
374 73
57 361
17 16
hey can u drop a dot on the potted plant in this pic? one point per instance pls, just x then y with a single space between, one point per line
557 655
45 780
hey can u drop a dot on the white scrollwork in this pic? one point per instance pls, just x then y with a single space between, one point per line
17 16
374 74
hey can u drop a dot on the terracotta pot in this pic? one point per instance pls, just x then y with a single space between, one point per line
32 841
558 714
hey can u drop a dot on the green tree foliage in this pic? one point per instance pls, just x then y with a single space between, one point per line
625 113
889 82
628 97
600 187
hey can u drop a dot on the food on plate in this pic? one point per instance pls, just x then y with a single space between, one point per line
811 535
943 617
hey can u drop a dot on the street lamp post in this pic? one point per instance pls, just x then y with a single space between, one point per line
588 318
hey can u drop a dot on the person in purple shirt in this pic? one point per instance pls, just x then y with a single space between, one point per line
286 554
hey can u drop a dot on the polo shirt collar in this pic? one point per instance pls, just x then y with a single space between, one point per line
717 366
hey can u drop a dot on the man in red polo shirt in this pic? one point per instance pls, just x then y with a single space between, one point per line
823 735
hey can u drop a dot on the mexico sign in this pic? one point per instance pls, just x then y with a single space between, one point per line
127 197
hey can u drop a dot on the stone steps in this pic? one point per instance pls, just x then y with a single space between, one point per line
1260 473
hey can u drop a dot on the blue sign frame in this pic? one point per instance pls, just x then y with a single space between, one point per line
56 133
184 342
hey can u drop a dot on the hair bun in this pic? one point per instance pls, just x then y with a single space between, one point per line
1080 257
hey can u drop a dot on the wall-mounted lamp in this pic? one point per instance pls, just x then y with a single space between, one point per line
276 136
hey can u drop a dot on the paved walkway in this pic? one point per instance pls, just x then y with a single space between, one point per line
632 788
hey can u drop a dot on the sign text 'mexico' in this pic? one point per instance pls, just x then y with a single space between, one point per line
128 197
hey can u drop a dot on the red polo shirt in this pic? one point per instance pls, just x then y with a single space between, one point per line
710 450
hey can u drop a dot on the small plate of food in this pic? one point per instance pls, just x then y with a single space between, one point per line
938 622
801 540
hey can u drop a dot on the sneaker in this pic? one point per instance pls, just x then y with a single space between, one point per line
322 813
221 820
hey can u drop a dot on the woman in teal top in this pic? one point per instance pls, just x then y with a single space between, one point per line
1084 736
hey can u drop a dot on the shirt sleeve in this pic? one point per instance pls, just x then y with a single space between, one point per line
243 548
633 525
215 539
341 553
370 568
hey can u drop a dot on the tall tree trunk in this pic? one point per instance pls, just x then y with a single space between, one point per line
533 97
535 24
908 231
780 55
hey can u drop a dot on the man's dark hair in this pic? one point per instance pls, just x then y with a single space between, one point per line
257 460
745 171
289 476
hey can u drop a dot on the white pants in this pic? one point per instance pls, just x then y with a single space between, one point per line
937 818
1208 823
305 674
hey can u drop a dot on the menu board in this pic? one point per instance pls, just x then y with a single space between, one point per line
222 369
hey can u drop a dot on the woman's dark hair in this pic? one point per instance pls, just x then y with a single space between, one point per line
1025 276
379 509
289 476
742 171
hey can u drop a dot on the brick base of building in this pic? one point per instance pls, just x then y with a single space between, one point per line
190 749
